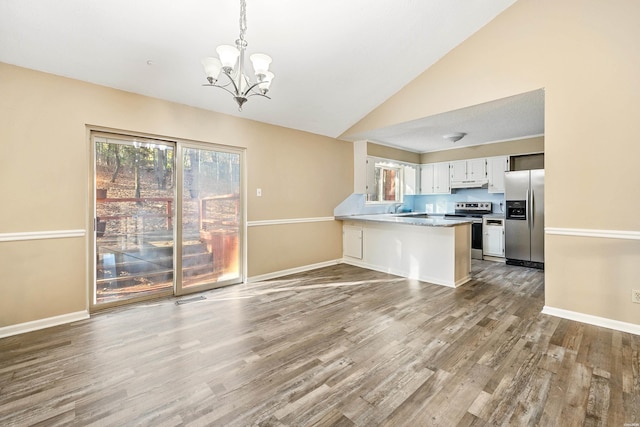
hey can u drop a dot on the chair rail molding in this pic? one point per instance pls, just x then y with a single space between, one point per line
41 235
289 221
585 232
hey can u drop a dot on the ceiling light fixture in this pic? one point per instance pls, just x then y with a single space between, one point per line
239 85
454 137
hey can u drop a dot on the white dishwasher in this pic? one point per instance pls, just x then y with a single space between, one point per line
493 239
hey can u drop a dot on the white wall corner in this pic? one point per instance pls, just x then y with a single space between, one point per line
360 167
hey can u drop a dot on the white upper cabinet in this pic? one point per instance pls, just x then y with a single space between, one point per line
410 179
465 173
477 169
370 181
441 178
459 170
496 167
434 178
469 170
426 179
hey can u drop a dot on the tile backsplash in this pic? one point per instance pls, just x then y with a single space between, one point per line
445 203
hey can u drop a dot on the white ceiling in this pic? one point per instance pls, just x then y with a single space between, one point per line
334 60
505 119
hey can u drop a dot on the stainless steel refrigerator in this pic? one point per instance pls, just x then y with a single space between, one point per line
524 218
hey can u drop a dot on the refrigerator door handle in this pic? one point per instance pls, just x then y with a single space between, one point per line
528 210
533 208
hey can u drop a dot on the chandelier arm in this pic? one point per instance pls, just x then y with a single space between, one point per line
256 94
247 92
235 86
224 88
218 85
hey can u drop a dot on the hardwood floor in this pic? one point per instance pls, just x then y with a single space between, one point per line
339 346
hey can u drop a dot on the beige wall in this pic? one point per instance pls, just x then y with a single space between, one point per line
295 245
385 152
521 146
596 273
41 279
44 171
584 54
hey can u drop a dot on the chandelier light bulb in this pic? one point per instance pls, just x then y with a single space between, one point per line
266 82
260 63
212 67
228 56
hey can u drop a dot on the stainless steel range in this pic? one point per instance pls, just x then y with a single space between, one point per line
472 211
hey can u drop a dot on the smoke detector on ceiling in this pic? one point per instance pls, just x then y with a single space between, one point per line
454 137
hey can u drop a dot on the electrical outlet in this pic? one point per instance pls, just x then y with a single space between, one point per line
635 295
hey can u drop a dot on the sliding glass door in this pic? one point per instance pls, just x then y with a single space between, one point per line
134 227
167 218
210 218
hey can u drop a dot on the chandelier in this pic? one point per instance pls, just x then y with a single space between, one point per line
236 81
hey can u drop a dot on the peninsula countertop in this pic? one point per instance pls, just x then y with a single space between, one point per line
411 218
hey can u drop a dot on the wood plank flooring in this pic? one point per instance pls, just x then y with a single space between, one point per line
338 346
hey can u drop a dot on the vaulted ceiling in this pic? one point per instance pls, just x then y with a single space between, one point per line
334 60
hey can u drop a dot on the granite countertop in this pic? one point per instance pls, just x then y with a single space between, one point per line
408 219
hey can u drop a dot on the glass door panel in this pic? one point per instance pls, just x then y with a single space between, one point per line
134 225
210 217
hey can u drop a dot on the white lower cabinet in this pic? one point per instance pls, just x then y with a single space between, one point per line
493 239
352 241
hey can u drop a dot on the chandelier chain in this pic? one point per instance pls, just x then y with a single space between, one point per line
243 19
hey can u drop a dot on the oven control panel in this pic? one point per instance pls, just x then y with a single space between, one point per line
473 206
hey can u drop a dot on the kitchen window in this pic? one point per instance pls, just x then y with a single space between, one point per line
388 183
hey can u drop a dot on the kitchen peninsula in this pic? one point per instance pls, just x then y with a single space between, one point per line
416 246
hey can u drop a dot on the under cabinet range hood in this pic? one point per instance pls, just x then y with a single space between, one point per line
480 183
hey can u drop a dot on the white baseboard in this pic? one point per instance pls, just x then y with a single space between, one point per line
48 322
276 274
593 320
